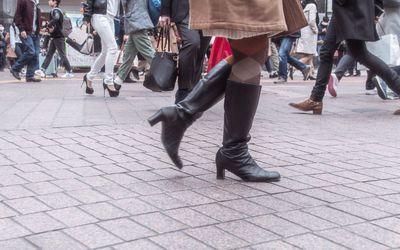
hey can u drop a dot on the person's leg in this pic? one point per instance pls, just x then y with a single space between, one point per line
144 46
112 52
359 50
204 44
343 65
27 54
50 53
314 103
274 57
130 52
60 46
33 64
284 50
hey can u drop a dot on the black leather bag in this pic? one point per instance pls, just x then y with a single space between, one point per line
163 69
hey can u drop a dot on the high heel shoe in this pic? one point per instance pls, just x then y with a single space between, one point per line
309 105
88 90
111 92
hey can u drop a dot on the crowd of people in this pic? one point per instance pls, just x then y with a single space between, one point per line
273 40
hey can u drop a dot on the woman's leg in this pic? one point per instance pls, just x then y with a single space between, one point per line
242 94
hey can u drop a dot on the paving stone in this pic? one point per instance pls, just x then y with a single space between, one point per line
138 245
349 239
190 217
377 234
92 236
104 211
333 215
126 229
27 205
163 201
55 241
9 229
43 188
178 241
19 244
216 237
306 220
143 188
299 199
278 225
324 195
219 212
134 206
96 181
248 232
58 200
39 222
88 196
115 191
13 192
359 210
273 203
348 192
71 184
247 207
380 204
72 216
309 241
391 223
274 245
159 222
371 188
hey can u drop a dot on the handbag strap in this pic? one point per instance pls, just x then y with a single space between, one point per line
164 40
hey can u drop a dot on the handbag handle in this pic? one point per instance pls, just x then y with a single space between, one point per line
164 39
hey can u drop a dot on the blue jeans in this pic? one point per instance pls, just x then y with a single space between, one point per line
285 57
30 56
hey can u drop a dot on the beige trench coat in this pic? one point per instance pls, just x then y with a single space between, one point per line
258 16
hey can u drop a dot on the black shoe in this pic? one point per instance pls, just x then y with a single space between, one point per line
117 86
241 101
177 118
280 80
15 74
88 90
274 74
32 79
135 73
358 73
180 95
129 80
306 72
291 71
111 92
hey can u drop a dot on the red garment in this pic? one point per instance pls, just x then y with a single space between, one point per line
220 50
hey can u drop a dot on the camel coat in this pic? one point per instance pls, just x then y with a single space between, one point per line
245 18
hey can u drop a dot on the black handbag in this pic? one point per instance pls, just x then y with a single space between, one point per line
163 69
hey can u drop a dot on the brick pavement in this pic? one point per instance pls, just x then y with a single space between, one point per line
79 172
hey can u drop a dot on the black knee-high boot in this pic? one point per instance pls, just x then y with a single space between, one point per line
241 101
177 118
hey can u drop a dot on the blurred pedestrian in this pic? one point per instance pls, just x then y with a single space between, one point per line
353 21
15 42
193 45
101 13
239 83
27 19
137 25
3 48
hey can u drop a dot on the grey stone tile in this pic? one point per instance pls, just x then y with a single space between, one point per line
27 205
126 229
163 201
248 232
380 204
306 220
190 217
377 234
6 211
310 241
159 222
134 206
191 198
273 203
274 245
299 199
333 215
359 210
55 241
14 192
92 236
246 207
349 239
19 244
178 241
58 200
278 225
88 196
143 188
218 212
115 191
72 216
216 237
324 195
70 184
391 223
138 245
348 192
9 229
39 222
43 188
104 211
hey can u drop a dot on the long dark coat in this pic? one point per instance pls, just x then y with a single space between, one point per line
355 19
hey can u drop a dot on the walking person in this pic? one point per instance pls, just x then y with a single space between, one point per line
27 19
285 47
57 39
307 43
137 24
354 22
193 45
237 78
3 48
15 42
101 13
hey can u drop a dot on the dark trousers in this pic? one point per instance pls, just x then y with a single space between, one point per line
191 55
30 56
285 47
59 45
360 53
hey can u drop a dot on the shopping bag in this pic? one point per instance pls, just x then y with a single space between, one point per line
387 49
219 51
163 69
79 34
88 45
294 17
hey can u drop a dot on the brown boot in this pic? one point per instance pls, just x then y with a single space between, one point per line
397 112
309 105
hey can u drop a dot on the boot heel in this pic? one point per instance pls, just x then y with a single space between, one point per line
220 173
317 111
156 118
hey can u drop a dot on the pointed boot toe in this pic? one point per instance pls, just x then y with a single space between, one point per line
308 105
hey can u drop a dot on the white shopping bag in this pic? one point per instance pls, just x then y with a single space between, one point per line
387 49
79 34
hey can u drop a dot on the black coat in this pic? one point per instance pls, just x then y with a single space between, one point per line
177 10
355 19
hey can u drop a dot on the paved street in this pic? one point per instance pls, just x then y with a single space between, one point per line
88 172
